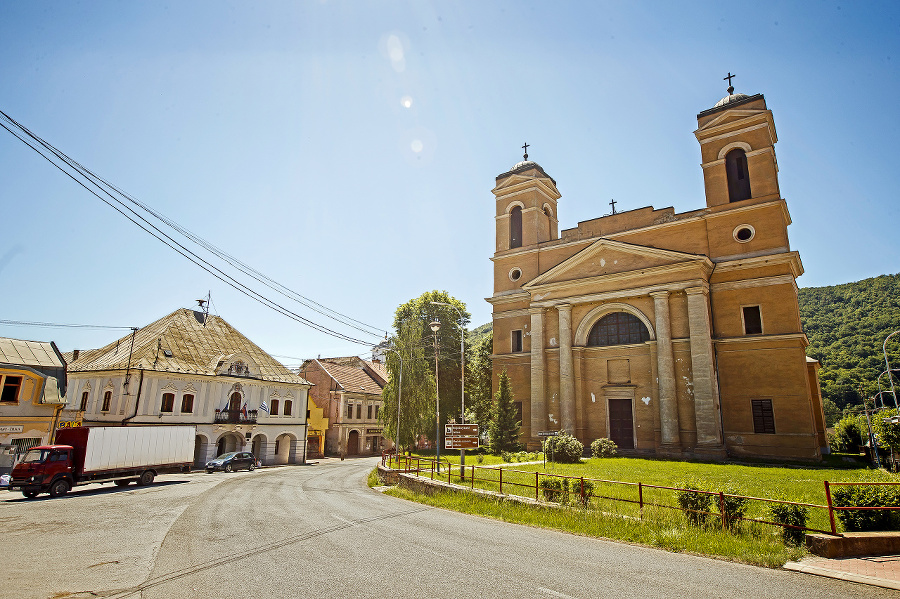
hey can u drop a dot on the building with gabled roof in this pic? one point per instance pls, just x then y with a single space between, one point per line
32 393
193 368
349 390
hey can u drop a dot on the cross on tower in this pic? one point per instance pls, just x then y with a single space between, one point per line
729 78
613 204
525 147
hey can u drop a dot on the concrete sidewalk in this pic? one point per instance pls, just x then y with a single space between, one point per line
880 571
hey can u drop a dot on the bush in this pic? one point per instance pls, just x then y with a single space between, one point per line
588 491
479 458
603 448
867 496
790 515
735 507
555 489
695 505
849 434
563 448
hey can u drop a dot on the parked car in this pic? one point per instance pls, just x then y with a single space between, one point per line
231 461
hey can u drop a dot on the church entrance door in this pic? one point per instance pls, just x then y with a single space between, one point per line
621 422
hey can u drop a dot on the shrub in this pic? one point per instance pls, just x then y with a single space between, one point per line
735 507
506 456
479 458
695 505
603 448
790 515
849 434
867 496
555 489
588 491
563 448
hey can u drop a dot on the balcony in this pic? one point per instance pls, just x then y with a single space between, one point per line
235 417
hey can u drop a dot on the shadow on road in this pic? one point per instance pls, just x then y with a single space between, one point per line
93 492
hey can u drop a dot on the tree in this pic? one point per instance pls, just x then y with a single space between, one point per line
504 428
478 381
419 313
417 397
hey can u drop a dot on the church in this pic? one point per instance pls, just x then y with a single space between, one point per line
670 333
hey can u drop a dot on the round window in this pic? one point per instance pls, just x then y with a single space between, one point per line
744 233
515 274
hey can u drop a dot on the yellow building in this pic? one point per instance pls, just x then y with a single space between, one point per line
669 333
32 393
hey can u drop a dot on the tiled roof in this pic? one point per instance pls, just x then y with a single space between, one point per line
350 378
194 349
29 353
380 370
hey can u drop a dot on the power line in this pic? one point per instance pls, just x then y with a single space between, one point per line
57 325
103 187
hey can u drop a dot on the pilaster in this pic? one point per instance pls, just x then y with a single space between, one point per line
566 370
538 373
665 365
706 401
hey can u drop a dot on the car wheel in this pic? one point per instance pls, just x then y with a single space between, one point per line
146 478
251 467
29 494
209 471
228 467
59 488
121 483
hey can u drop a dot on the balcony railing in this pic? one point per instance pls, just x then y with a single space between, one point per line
238 417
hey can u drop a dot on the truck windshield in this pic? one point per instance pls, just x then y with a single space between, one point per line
35 456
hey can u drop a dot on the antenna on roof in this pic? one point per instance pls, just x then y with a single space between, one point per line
203 304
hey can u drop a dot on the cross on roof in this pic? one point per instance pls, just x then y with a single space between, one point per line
729 78
525 147
613 204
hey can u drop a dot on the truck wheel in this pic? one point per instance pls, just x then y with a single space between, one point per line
146 478
122 483
29 494
59 488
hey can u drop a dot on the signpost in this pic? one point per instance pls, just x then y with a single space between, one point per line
461 436
546 434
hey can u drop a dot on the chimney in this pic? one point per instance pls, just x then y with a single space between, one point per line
75 353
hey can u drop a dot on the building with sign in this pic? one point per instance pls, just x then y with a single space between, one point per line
671 333
32 393
349 390
195 369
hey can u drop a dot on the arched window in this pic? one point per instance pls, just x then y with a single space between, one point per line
618 328
738 175
515 227
107 398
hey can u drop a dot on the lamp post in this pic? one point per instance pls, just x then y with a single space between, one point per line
462 383
435 327
399 395
888 365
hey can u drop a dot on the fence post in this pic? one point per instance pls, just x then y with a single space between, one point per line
449 472
501 481
641 498
582 491
432 469
830 508
472 480
537 485
722 510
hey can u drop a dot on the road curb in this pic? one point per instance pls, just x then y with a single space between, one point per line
837 574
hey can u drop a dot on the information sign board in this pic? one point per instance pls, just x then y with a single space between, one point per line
460 430
460 442
548 433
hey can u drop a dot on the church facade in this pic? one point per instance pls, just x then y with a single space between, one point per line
672 334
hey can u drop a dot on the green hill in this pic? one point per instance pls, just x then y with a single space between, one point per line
846 325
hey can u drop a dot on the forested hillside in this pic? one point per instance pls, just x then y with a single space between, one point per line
846 325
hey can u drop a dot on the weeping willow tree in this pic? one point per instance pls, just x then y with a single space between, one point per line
416 398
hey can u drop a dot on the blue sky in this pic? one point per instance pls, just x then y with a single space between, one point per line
348 149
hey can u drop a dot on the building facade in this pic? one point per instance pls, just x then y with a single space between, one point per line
349 390
32 394
669 333
195 369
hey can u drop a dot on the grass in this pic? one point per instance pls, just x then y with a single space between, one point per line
665 528
758 545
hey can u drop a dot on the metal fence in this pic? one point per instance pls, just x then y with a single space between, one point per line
589 492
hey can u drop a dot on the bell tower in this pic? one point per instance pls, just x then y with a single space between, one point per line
737 147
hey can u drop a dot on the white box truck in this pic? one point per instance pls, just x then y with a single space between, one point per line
120 454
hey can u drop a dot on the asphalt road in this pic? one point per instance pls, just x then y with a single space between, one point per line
319 531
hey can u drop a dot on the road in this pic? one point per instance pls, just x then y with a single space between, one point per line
319 531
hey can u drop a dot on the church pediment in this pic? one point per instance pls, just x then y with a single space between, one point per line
608 257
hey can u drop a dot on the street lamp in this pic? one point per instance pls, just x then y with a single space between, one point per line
435 327
462 383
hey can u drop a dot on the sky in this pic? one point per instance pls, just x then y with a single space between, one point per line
347 150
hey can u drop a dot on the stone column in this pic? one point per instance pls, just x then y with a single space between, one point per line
538 373
566 370
706 399
665 367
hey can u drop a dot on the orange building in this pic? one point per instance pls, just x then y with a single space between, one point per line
669 333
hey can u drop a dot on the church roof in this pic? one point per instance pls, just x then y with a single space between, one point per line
181 343
521 167
730 101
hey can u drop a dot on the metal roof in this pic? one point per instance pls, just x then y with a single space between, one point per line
39 354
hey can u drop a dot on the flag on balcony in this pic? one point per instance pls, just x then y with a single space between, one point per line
244 411
264 406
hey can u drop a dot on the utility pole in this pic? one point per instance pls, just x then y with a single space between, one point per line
435 326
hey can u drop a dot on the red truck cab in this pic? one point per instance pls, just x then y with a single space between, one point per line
44 468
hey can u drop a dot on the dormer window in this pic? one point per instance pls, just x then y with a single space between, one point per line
238 368
738 175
